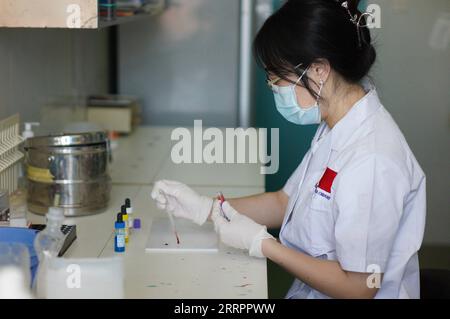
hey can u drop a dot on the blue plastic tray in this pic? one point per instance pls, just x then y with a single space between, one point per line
24 236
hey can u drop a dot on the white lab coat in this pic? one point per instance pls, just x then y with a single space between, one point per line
358 197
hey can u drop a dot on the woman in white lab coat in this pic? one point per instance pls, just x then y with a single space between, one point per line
352 215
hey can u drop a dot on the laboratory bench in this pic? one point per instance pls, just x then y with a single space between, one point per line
139 160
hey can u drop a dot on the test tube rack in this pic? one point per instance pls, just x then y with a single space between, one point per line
10 155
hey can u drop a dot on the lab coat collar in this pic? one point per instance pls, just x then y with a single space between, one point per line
363 109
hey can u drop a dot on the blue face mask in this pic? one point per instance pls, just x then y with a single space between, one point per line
287 105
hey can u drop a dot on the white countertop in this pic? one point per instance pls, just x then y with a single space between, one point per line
140 160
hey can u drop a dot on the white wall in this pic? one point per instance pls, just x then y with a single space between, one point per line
414 83
184 63
39 64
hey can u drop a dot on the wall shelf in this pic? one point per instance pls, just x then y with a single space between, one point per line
68 14
123 20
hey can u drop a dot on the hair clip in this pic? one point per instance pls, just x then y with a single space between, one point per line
353 18
356 21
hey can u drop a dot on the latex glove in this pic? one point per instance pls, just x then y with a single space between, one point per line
241 231
181 201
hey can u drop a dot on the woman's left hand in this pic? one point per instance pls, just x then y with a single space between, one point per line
240 232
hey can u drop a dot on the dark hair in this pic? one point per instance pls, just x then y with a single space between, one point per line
304 31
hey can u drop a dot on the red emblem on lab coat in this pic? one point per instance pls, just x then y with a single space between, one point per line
327 180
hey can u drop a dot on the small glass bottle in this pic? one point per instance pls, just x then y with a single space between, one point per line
47 244
119 238
49 241
123 211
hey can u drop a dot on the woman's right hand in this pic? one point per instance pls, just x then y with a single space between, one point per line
182 201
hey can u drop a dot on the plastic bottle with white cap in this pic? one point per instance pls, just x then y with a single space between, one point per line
50 240
28 132
129 210
47 244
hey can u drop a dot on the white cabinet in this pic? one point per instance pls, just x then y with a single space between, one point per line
75 14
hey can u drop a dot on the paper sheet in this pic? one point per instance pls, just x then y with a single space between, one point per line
193 238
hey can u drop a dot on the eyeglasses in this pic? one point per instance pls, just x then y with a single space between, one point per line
271 83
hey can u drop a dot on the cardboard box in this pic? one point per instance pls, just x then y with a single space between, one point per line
114 113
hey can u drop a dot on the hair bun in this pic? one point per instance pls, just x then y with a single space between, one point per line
366 59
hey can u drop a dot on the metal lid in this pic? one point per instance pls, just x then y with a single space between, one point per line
89 138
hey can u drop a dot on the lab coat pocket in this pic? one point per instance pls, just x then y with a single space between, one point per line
321 225
320 201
